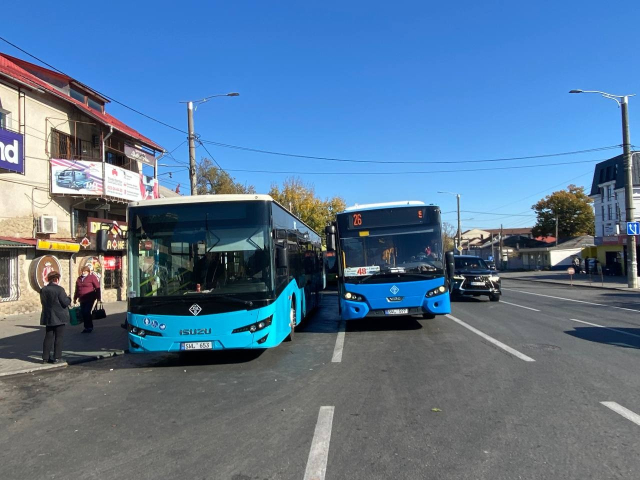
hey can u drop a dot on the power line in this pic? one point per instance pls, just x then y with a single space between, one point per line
349 160
98 92
291 172
209 153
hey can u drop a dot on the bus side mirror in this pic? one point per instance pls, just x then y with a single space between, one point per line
282 259
451 264
330 232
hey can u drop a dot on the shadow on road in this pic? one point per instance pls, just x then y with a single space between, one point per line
623 337
383 324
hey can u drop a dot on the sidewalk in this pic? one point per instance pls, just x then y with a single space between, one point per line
562 278
21 339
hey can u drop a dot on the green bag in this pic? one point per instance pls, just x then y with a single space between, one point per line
76 315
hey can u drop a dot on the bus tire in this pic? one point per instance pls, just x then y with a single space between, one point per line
292 320
429 316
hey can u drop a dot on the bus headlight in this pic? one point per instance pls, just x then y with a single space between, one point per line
254 327
142 332
436 291
354 297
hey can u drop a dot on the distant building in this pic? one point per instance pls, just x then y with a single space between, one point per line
67 169
551 256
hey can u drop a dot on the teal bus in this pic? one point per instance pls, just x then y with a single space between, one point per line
391 261
216 272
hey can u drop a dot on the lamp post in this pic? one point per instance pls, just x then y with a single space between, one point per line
623 103
192 135
459 235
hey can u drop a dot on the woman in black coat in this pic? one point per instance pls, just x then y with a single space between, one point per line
55 314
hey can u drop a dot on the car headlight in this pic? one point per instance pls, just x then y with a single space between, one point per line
436 291
354 297
494 278
458 277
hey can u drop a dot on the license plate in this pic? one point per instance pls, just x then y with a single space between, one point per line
196 346
397 311
477 284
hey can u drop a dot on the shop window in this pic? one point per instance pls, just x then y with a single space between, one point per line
8 275
112 272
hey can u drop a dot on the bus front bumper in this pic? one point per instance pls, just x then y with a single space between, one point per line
244 340
437 305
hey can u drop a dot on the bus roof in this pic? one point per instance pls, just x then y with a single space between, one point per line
374 206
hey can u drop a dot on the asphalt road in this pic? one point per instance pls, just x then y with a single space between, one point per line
497 391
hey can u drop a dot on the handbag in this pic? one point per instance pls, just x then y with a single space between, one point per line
75 315
98 311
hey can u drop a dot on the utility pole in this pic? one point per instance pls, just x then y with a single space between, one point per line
556 230
501 245
459 227
192 150
632 264
492 255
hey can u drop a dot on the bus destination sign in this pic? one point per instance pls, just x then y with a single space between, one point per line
391 217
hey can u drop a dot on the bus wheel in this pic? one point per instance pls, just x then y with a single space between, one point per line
292 320
429 316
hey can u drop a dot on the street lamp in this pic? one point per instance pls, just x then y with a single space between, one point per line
192 135
459 230
623 103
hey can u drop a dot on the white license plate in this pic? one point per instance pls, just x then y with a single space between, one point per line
477 284
196 346
397 311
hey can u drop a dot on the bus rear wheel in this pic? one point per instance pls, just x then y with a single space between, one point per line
292 320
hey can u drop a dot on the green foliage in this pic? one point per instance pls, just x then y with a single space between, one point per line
212 180
448 235
573 209
303 202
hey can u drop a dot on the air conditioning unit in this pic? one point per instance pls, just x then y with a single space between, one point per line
47 224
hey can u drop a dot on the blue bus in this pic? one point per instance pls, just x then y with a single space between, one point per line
391 261
216 272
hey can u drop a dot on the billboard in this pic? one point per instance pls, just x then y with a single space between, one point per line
75 177
11 151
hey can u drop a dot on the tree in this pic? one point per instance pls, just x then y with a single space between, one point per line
573 209
212 180
303 202
449 235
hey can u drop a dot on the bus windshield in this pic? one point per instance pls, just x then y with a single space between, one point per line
404 254
201 249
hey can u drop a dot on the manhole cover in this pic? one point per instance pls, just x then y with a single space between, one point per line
541 346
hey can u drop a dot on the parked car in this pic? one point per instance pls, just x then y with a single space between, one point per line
473 277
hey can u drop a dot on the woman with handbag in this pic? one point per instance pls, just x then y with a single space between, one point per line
87 292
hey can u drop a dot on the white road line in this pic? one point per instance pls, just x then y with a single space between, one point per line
319 453
521 306
606 328
497 343
625 412
572 300
337 351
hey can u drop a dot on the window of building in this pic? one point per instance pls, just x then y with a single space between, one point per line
8 275
116 159
95 105
71 148
602 194
5 119
112 272
609 212
617 212
609 192
602 209
77 95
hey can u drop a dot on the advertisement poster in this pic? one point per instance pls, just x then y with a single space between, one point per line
76 177
93 263
121 183
11 151
40 268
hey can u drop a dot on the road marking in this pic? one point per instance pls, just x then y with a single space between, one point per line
497 343
319 453
521 306
337 351
607 328
625 412
572 300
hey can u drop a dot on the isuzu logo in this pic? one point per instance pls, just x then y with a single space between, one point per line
195 309
195 331
394 290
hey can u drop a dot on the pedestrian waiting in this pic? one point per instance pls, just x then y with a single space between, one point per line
87 292
55 315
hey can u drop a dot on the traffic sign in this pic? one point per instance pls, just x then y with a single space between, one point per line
571 271
633 228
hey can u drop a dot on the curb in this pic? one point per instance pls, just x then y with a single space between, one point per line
553 282
42 367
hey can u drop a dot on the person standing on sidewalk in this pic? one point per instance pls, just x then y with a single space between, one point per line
55 314
87 292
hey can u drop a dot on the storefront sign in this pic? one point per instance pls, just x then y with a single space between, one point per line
85 178
57 246
115 240
112 263
40 268
139 155
11 151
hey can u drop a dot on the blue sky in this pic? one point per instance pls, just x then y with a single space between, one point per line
384 81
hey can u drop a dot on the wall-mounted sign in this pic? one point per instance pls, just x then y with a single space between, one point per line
112 263
40 268
115 241
11 151
94 265
139 155
55 246
72 177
